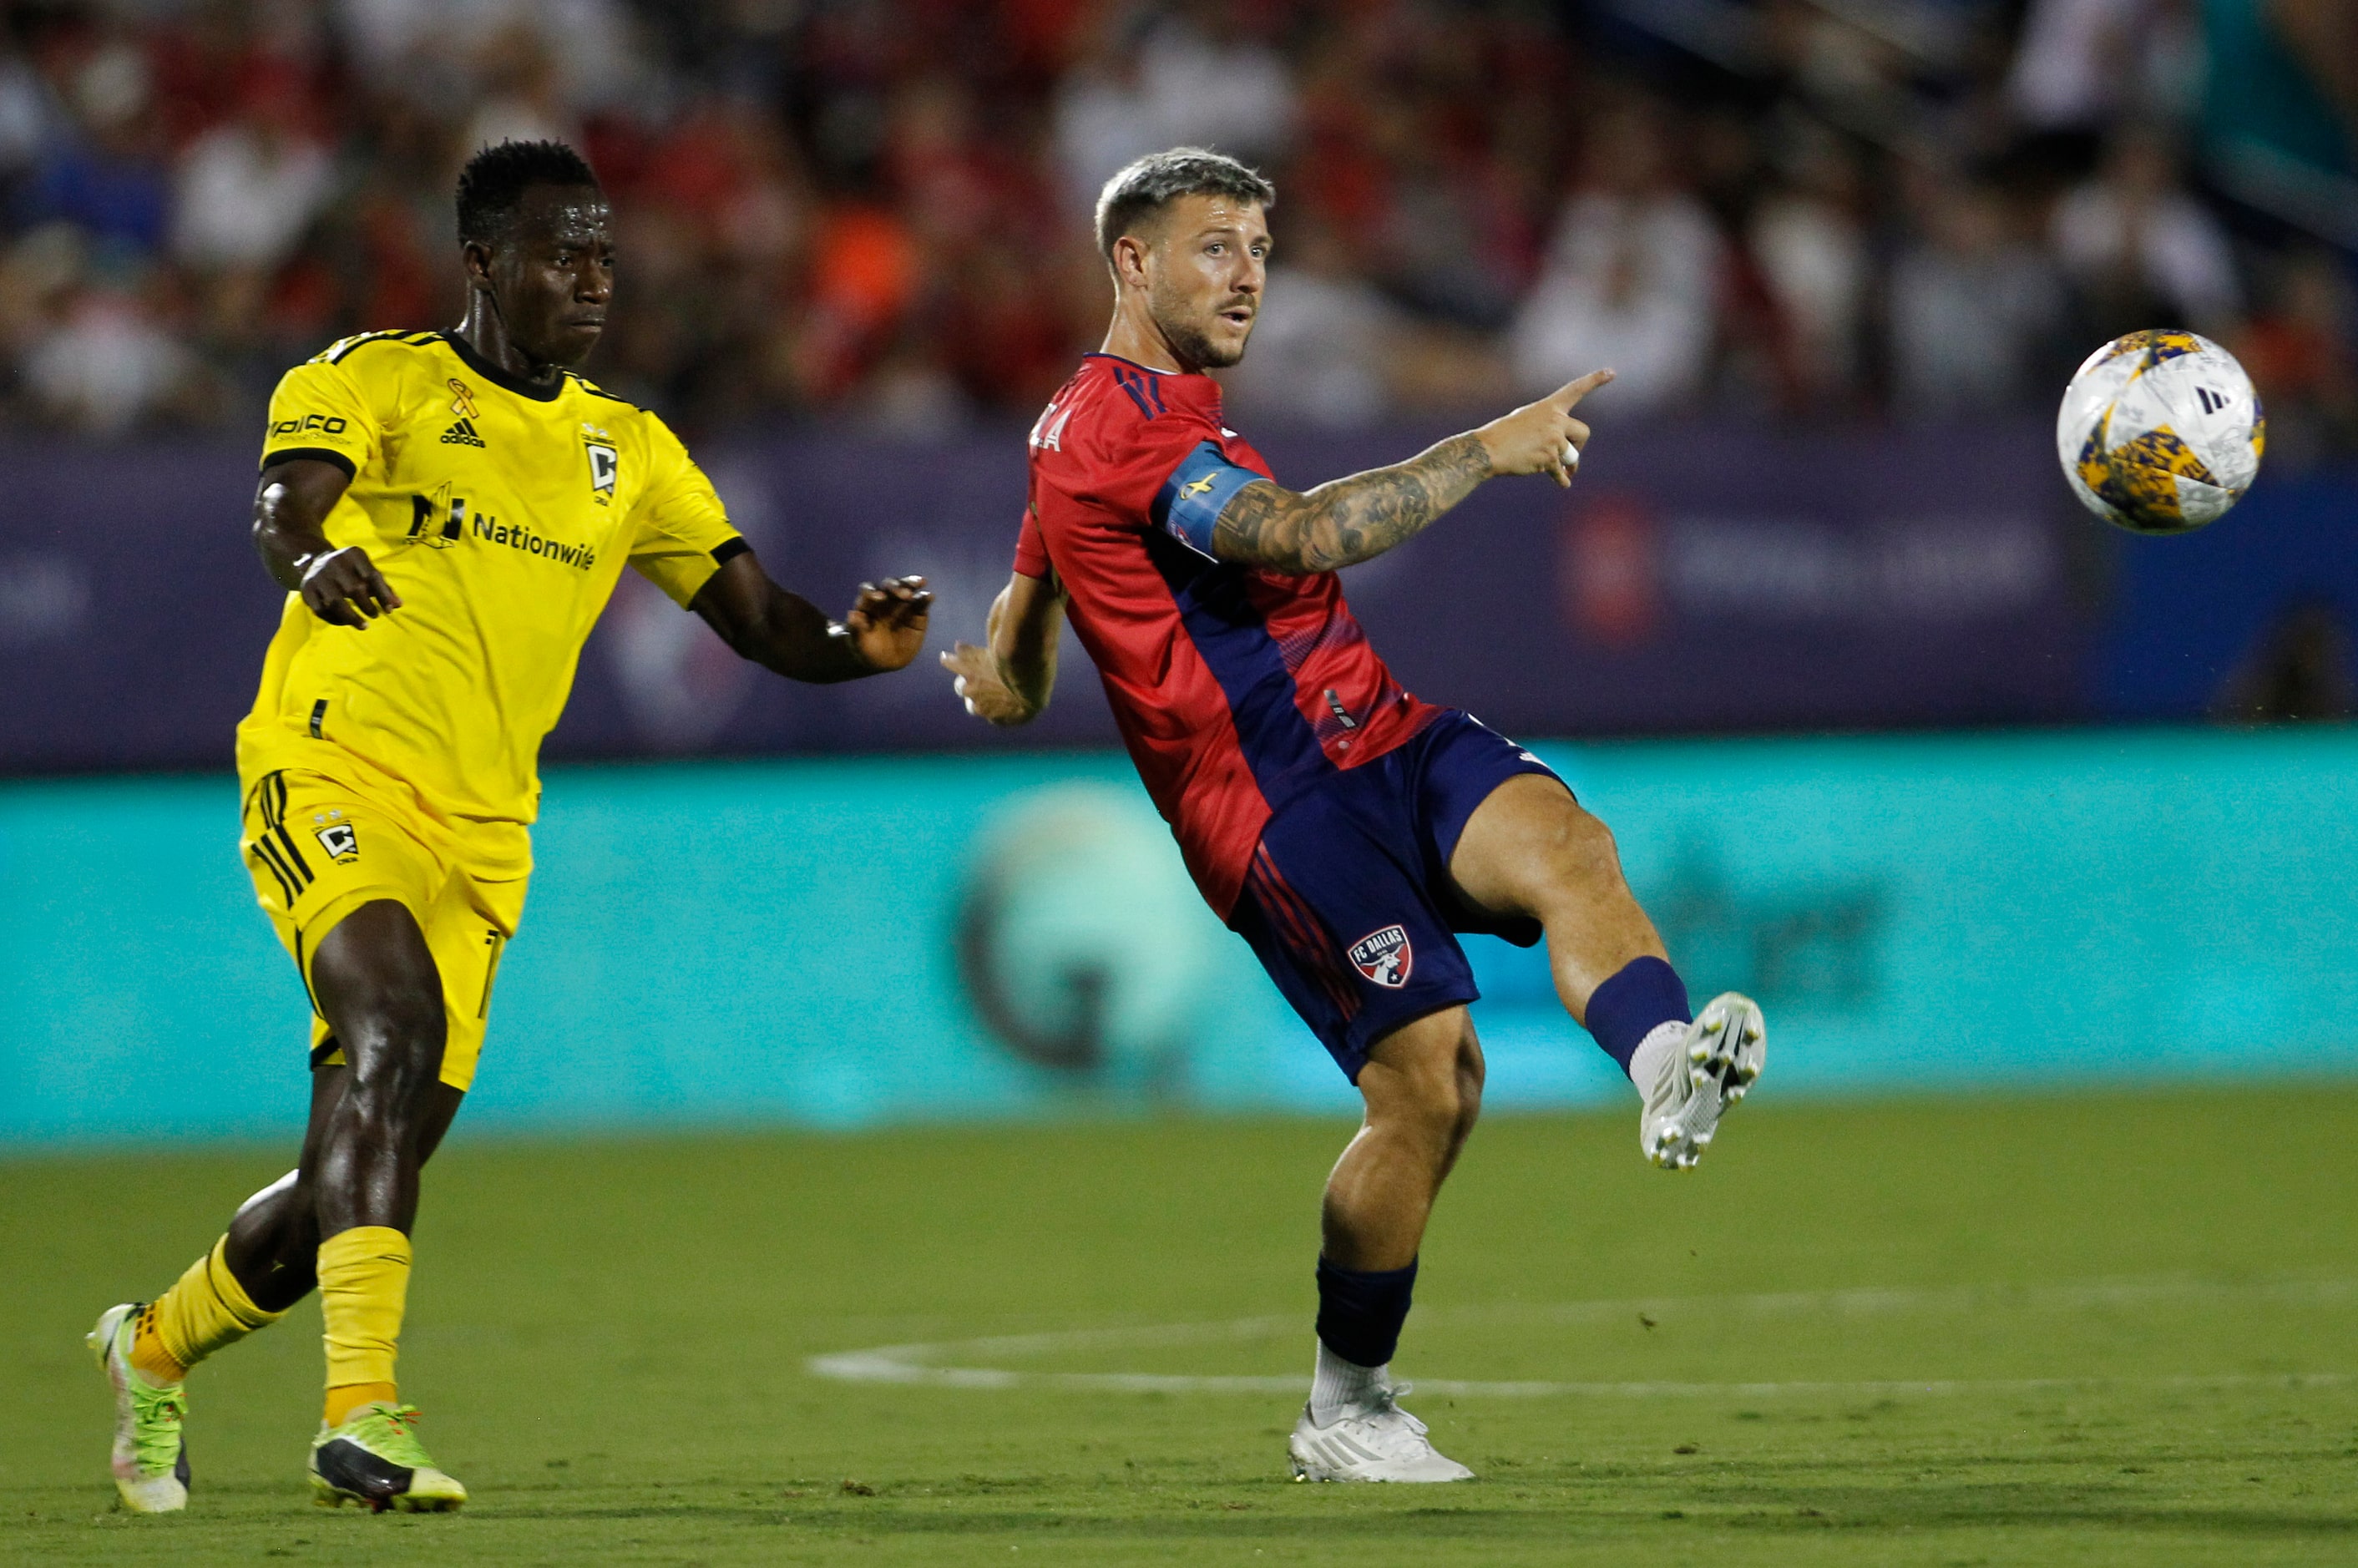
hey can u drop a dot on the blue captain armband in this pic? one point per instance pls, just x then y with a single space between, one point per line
1191 500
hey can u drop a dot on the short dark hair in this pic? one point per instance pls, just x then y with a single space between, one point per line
1155 181
492 186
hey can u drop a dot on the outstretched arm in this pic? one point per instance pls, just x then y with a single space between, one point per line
787 632
1347 520
1008 680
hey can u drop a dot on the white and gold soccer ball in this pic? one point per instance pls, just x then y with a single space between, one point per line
2160 432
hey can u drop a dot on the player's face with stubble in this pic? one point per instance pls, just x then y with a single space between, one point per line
1211 260
553 275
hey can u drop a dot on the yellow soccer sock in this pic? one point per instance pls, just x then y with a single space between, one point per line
206 1310
345 1398
363 1285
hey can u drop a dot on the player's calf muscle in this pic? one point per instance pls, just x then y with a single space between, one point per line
274 1245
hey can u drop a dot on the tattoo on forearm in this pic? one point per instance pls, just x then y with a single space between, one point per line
1350 520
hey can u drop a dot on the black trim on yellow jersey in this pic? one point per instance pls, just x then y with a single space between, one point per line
498 377
314 454
594 390
729 550
391 335
338 356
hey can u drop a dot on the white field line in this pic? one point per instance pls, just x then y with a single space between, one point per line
924 1364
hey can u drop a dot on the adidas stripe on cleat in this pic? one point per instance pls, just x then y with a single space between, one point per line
151 1455
1693 1074
375 1460
1373 1441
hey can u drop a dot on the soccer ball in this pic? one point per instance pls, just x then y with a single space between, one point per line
2160 432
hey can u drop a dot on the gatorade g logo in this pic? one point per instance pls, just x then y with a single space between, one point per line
1384 956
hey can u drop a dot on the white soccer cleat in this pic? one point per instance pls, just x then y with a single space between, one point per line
1691 1073
150 1458
1377 1441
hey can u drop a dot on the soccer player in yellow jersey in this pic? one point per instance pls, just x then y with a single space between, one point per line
448 513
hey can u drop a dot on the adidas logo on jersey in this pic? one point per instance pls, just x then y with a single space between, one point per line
462 434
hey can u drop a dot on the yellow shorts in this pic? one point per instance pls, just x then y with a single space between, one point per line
319 848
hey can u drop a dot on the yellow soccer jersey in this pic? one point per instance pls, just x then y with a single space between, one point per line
501 514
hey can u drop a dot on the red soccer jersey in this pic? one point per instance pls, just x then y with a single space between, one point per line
1235 687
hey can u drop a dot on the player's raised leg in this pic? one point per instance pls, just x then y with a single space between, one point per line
1531 850
146 1348
1422 1086
341 1217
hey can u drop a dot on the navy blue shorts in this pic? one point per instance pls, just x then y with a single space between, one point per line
1348 902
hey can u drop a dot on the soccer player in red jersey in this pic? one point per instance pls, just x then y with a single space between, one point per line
1348 831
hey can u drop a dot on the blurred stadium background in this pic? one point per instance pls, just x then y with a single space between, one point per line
1879 715
1843 253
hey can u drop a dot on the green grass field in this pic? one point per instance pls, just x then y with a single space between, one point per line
2063 1330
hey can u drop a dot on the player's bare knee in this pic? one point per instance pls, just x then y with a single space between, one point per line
1439 1111
1582 865
1470 1076
1587 849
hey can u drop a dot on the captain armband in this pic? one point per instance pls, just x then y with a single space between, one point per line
1188 506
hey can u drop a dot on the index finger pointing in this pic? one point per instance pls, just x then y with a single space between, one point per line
1572 391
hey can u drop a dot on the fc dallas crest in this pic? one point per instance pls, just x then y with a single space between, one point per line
1384 956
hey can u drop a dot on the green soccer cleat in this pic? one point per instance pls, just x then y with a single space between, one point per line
151 1458
374 1459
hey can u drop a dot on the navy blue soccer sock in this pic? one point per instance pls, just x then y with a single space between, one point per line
1636 997
1360 1315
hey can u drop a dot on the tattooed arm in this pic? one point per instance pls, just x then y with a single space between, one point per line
1347 520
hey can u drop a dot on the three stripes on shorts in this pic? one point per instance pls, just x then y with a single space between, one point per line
274 846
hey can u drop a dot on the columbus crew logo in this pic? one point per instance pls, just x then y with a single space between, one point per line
1384 956
605 467
339 839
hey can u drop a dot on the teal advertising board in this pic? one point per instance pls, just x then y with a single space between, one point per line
846 943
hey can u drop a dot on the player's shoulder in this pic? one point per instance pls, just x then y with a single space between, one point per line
1140 394
591 390
371 349
616 413
1113 408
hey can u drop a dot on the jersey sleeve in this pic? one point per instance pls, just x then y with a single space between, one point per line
320 411
1167 473
682 533
1030 549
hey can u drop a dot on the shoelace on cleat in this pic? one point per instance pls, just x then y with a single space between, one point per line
1389 1419
156 1415
389 1434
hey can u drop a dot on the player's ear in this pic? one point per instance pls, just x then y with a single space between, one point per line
475 257
1130 261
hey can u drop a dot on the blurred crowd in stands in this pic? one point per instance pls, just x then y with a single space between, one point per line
876 211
